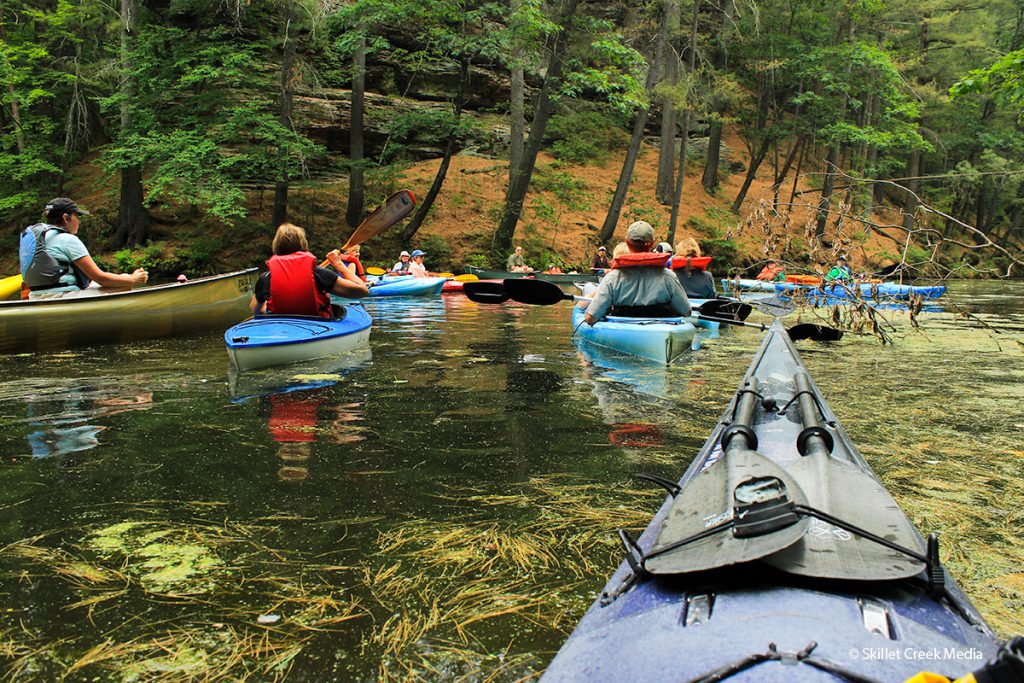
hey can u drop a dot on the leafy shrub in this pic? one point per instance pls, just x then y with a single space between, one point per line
438 251
581 137
723 251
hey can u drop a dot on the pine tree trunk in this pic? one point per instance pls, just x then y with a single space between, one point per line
356 188
282 184
520 175
710 178
755 163
517 106
826 191
910 201
677 195
442 171
132 217
611 219
667 152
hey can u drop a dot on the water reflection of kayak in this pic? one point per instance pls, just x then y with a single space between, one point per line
760 564
315 374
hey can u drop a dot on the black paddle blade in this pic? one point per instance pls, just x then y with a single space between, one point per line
725 308
485 292
774 306
848 493
814 332
538 292
711 498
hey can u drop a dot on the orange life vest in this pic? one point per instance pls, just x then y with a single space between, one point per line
694 262
640 259
293 289
346 258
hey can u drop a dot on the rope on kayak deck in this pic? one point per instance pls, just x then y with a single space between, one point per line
773 655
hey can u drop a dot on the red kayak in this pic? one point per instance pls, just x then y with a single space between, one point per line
456 286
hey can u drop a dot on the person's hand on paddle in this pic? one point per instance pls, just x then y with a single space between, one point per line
140 277
334 258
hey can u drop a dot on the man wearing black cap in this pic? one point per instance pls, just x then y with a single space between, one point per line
55 262
641 285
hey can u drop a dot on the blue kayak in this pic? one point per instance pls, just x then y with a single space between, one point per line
877 292
267 340
778 556
405 285
658 339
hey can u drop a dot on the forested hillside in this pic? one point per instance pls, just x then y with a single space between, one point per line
887 130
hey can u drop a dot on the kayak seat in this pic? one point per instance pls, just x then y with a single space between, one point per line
338 313
654 311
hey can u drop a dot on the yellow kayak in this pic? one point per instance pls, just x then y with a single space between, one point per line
10 287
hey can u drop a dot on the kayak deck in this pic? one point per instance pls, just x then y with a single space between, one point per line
825 600
269 340
662 340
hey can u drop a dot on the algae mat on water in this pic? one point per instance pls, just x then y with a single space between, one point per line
155 599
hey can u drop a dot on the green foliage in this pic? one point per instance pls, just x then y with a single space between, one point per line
721 250
582 137
568 189
478 261
439 252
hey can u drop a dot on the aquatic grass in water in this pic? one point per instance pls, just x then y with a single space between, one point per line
441 579
173 551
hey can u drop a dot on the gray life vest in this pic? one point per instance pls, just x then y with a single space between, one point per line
44 271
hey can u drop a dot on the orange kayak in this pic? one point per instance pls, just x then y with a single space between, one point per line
804 279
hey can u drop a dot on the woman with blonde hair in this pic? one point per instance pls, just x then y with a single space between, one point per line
295 285
688 248
698 282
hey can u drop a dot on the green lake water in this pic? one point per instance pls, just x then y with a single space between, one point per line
442 506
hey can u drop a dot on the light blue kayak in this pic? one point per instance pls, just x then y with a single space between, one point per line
267 340
745 285
878 292
658 339
405 285
590 289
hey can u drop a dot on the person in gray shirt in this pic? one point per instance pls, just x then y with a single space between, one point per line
639 285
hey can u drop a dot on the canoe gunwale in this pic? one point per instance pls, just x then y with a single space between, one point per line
141 291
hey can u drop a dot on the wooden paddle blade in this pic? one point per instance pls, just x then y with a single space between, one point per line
485 292
468 277
395 208
814 332
707 500
846 492
538 292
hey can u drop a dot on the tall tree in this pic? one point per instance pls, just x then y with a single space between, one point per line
710 178
132 217
289 45
356 187
669 62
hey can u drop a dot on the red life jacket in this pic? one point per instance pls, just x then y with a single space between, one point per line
695 262
293 289
641 259
359 266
